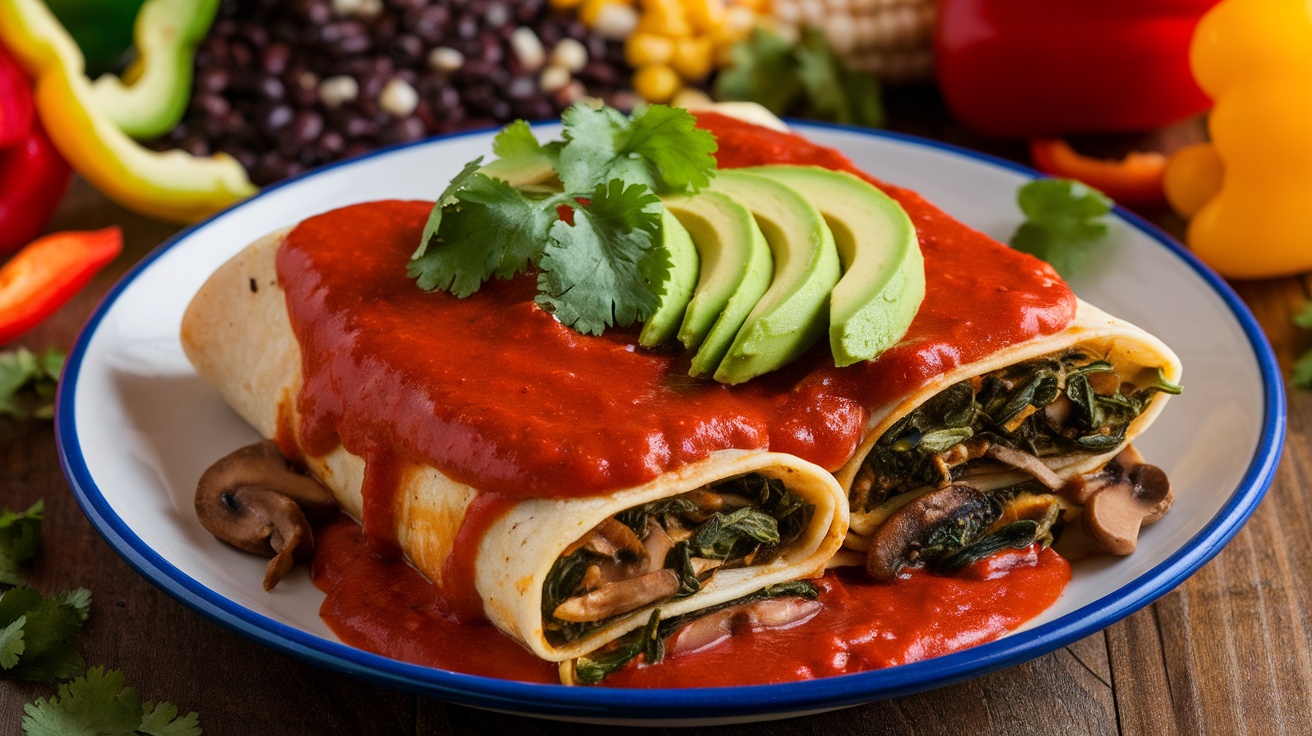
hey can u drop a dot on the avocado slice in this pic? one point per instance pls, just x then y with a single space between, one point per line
534 172
883 281
791 315
663 323
736 269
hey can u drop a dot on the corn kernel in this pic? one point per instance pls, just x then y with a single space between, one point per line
692 58
592 8
648 48
664 17
704 15
656 82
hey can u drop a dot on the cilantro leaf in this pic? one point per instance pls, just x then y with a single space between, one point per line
516 140
444 201
806 79
1304 317
497 232
833 91
1064 220
40 647
99 703
27 382
660 147
762 69
605 268
20 536
1302 376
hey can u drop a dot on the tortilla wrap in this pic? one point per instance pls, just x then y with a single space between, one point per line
237 334
1134 353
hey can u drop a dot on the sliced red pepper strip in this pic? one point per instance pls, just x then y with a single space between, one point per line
33 178
1135 180
42 277
16 106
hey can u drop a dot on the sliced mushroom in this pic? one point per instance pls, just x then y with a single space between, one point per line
254 500
1027 463
897 541
658 545
1113 516
619 597
715 627
609 539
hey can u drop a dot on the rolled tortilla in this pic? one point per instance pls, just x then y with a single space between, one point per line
1135 354
237 334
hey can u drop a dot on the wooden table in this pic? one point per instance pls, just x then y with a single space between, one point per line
1228 652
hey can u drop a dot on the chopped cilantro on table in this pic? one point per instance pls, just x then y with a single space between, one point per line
1064 222
27 382
99 703
597 242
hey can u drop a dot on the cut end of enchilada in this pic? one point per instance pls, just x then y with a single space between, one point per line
1029 434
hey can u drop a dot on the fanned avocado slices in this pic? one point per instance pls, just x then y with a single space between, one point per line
791 315
883 281
663 323
736 268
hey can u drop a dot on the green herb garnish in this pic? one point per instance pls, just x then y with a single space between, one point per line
27 382
20 537
99 703
805 79
1302 375
1064 220
596 242
36 634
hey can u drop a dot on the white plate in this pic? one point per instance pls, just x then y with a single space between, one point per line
136 427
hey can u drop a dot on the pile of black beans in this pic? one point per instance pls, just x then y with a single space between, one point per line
286 85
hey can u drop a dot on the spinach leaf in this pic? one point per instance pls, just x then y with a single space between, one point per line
595 667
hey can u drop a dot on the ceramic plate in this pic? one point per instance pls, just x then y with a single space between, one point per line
136 427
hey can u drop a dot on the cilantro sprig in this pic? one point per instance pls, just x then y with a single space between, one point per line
1302 373
806 79
27 382
100 703
1065 220
595 239
36 643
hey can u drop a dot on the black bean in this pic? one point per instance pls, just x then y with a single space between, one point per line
404 131
212 80
272 88
467 27
277 118
275 58
522 88
330 145
407 50
241 55
213 105
358 128
196 145
430 24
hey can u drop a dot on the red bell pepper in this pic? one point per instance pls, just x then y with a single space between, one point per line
33 178
16 108
1135 181
1045 68
43 276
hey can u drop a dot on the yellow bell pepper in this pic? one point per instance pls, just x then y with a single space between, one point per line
172 185
152 96
1250 187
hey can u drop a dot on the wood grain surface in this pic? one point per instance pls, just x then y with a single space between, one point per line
1226 653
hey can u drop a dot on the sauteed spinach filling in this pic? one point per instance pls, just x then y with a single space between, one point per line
1069 404
740 521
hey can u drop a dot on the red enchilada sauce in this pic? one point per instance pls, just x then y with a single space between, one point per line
498 394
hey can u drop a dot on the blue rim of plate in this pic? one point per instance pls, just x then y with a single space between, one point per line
693 703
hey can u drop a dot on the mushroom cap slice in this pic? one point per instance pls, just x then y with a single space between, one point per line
902 534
